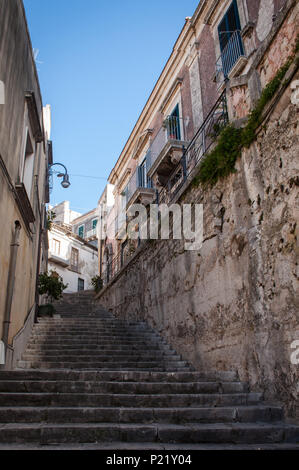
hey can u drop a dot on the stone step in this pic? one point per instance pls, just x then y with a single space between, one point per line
86 350
123 365
241 414
119 376
121 387
88 321
90 328
101 357
94 333
89 325
129 400
97 349
165 433
98 341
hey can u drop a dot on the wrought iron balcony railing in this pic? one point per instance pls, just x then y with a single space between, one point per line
139 180
173 129
91 233
233 50
198 148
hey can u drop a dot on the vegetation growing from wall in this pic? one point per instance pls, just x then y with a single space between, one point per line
50 218
220 162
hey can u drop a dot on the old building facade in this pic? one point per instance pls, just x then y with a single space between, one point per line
232 304
73 252
25 152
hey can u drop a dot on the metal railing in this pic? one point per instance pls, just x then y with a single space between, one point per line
192 155
139 179
91 233
229 56
112 266
197 148
173 129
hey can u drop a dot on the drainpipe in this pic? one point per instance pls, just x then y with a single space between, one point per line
10 282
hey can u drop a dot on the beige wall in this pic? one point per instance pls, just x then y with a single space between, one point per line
18 73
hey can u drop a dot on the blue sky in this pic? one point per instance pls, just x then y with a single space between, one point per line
98 62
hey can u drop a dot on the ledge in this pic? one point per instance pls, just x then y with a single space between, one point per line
168 157
142 195
56 259
34 116
24 204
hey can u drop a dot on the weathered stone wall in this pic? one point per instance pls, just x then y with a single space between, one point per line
232 304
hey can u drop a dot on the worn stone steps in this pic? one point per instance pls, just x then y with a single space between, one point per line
99 356
67 386
118 376
95 349
248 414
168 433
65 351
175 366
128 400
87 378
95 341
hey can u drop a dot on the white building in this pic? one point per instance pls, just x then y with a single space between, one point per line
71 255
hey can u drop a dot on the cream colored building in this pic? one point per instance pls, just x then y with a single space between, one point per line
72 257
25 152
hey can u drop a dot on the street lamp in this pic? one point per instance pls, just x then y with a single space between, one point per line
65 183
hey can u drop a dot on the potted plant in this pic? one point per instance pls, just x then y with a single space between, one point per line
51 285
97 283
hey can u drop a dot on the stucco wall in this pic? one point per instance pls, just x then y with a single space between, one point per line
232 305
18 73
88 260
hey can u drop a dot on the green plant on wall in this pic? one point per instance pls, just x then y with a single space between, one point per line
50 218
220 162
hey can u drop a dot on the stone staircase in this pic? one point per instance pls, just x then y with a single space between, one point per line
88 379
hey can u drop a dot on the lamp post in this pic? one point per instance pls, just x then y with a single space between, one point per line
65 183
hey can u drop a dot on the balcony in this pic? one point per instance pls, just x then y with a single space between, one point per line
91 234
232 59
140 188
166 150
197 149
56 259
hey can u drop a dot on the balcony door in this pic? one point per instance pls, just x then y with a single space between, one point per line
230 40
174 131
143 180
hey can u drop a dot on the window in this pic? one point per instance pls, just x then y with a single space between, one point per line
94 223
231 44
173 124
27 176
142 174
81 231
74 258
55 248
80 284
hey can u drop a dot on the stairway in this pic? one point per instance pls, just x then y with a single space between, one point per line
88 379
